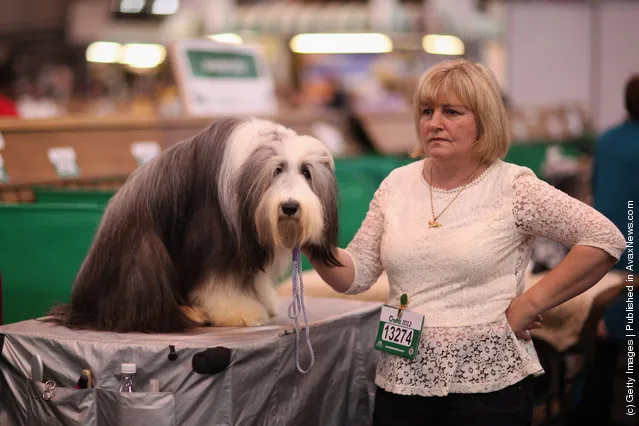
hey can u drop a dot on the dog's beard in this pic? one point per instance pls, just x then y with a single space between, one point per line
279 230
290 232
276 229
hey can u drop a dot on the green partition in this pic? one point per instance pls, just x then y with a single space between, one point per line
43 244
70 195
357 179
532 155
42 248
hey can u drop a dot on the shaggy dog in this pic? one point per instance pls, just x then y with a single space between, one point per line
201 233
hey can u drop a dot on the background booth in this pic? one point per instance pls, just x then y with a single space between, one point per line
57 173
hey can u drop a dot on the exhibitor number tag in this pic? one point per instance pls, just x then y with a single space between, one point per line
399 332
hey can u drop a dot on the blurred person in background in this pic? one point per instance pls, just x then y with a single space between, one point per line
615 184
340 100
615 179
562 172
7 104
36 102
454 231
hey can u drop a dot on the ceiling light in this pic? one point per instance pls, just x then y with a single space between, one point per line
341 43
138 55
104 52
443 45
165 7
131 6
231 38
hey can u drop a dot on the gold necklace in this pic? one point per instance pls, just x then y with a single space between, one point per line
434 223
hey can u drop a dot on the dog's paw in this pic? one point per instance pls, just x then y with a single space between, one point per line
271 304
272 311
196 314
241 316
267 296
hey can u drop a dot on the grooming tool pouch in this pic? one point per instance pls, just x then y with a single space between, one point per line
210 376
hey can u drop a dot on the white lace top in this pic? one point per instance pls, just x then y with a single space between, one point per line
463 276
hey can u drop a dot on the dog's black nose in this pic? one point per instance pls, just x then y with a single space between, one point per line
289 208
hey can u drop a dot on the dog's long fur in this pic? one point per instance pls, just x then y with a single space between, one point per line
198 234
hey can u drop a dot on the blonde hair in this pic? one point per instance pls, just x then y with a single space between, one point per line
477 89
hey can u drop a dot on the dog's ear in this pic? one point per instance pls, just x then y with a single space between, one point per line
328 193
325 254
211 240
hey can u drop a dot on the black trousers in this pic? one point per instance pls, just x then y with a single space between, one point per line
597 396
511 406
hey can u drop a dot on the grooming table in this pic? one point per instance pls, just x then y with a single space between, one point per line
260 386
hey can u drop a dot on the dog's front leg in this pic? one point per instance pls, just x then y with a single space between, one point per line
266 294
227 304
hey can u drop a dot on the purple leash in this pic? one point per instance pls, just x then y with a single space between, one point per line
296 308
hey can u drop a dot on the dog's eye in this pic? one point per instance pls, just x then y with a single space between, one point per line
306 173
278 170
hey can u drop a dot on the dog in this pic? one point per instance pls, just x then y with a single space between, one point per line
201 234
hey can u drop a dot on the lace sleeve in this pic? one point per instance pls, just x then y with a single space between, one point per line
364 248
542 210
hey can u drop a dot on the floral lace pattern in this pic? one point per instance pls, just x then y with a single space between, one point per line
367 245
463 276
540 209
460 360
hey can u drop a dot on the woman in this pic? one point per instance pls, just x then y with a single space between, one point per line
454 232
615 185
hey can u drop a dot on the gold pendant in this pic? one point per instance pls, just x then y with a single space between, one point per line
434 224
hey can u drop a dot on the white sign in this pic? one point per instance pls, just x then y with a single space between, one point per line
223 79
143 152
330 136
64 161
575 123
399 332
555 127
519 129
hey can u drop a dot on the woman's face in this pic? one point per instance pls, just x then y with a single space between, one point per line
448 129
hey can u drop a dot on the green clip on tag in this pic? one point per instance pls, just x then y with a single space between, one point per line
403 301
399 330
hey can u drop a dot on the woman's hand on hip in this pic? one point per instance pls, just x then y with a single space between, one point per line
522 318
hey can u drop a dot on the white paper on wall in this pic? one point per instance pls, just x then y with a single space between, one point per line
330 136
519 129
64 161
143 152
555 127
4 177
575 123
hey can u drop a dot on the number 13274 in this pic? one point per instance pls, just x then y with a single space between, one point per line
397 334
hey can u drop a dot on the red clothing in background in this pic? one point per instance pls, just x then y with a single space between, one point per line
7 107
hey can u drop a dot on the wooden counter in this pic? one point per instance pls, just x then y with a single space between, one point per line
103 144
